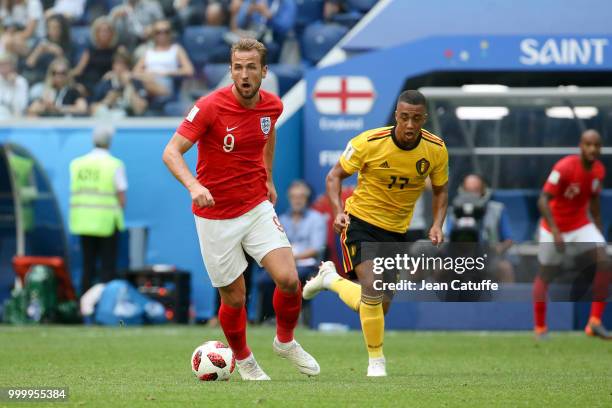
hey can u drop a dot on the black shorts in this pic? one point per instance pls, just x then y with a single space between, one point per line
359 232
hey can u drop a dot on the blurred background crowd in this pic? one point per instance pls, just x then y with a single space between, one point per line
121 58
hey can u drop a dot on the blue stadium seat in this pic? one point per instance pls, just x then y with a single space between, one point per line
205 45
319 38
80 40
522 210
287 74
308 11
348 19
214 73
93 10
361 5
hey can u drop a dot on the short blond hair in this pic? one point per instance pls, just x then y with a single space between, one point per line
98 22
248 44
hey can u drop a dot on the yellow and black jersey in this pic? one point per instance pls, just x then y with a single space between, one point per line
391 178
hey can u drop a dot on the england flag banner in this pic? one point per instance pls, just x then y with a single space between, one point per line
344 95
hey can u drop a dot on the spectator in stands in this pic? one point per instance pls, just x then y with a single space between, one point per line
307 232
119 94
97 59
56 44
134 20
332 8
13 88
494 227
22 23
217 13
269 21
184 13
164 63
59 96
305 227
72 10
187 12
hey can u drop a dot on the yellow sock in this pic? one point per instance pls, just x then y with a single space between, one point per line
348 291
373 326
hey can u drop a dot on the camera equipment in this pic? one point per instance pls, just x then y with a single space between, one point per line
468 211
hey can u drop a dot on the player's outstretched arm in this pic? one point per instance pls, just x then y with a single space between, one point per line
333 185
173 159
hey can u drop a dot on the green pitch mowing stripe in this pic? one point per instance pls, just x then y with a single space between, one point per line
146 367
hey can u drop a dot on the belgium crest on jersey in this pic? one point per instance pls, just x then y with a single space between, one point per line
422 166
266 124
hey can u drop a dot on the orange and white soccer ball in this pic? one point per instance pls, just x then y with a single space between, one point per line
213 361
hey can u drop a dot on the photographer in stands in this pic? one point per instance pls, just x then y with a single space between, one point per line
475 217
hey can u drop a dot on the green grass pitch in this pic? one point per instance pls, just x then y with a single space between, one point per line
147 367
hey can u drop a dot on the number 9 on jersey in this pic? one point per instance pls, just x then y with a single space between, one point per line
228 143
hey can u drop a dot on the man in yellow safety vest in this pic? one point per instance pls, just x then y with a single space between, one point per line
97 197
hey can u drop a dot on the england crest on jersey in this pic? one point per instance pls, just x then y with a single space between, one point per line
266 124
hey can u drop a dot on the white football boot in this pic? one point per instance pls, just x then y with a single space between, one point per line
304 362
322 280
377 367
251 371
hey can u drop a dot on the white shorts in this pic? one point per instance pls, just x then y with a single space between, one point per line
577 241
223 242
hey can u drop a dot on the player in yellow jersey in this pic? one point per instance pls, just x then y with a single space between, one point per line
392 163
